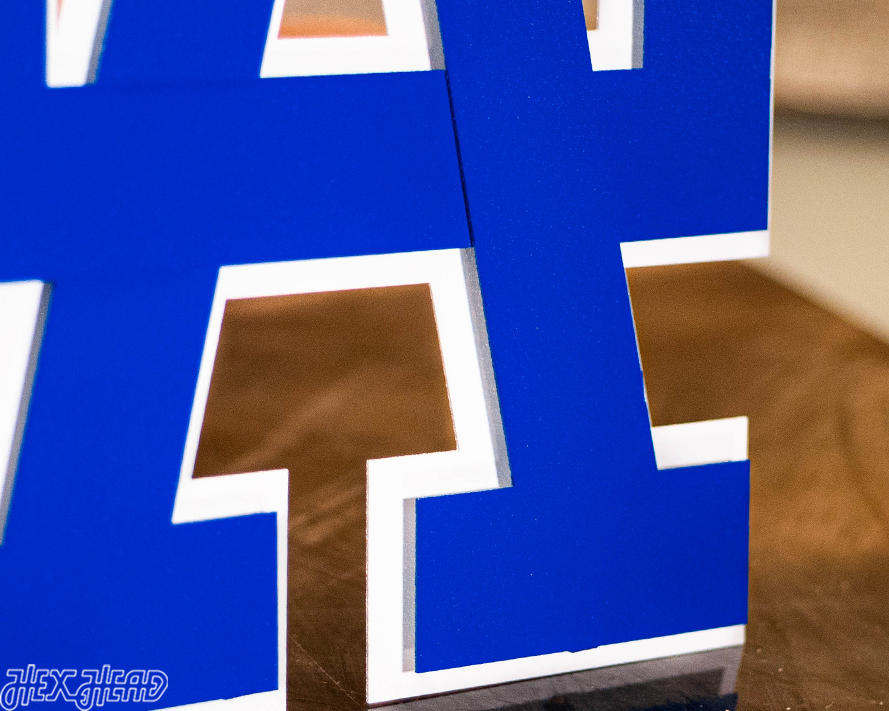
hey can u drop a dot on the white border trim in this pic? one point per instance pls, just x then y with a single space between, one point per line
694 443
690 250
20 327
413 684
404 49
536 667
616 43
73 41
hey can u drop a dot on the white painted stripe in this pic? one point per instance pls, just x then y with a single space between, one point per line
19 315
691 250
694 443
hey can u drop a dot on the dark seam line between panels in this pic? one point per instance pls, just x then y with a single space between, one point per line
460 160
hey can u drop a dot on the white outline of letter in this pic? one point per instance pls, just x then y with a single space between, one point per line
617 41
75 33
23 306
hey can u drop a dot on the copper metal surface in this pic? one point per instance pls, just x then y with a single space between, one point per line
719 340
591 14
318 384
332 18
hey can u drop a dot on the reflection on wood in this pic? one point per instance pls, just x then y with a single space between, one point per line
332 18
319 384
832 57
591 14
718 340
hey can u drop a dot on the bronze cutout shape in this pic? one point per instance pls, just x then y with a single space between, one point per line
332 18
318 384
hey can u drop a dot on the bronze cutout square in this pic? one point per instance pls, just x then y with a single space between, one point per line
332 18
318 384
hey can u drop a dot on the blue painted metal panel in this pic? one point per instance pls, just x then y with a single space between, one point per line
166 40
136 175
130 193
127 196
93 571
592 545
557 153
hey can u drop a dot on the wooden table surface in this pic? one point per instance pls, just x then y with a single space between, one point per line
719 340
832 57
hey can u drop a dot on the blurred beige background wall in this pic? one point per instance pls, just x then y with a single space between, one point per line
830 175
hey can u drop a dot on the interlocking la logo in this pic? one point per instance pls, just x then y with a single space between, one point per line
388 359
125 198
335 394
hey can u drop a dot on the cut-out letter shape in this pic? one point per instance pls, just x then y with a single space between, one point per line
204 170
368 380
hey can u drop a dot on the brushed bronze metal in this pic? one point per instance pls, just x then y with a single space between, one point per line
332 18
